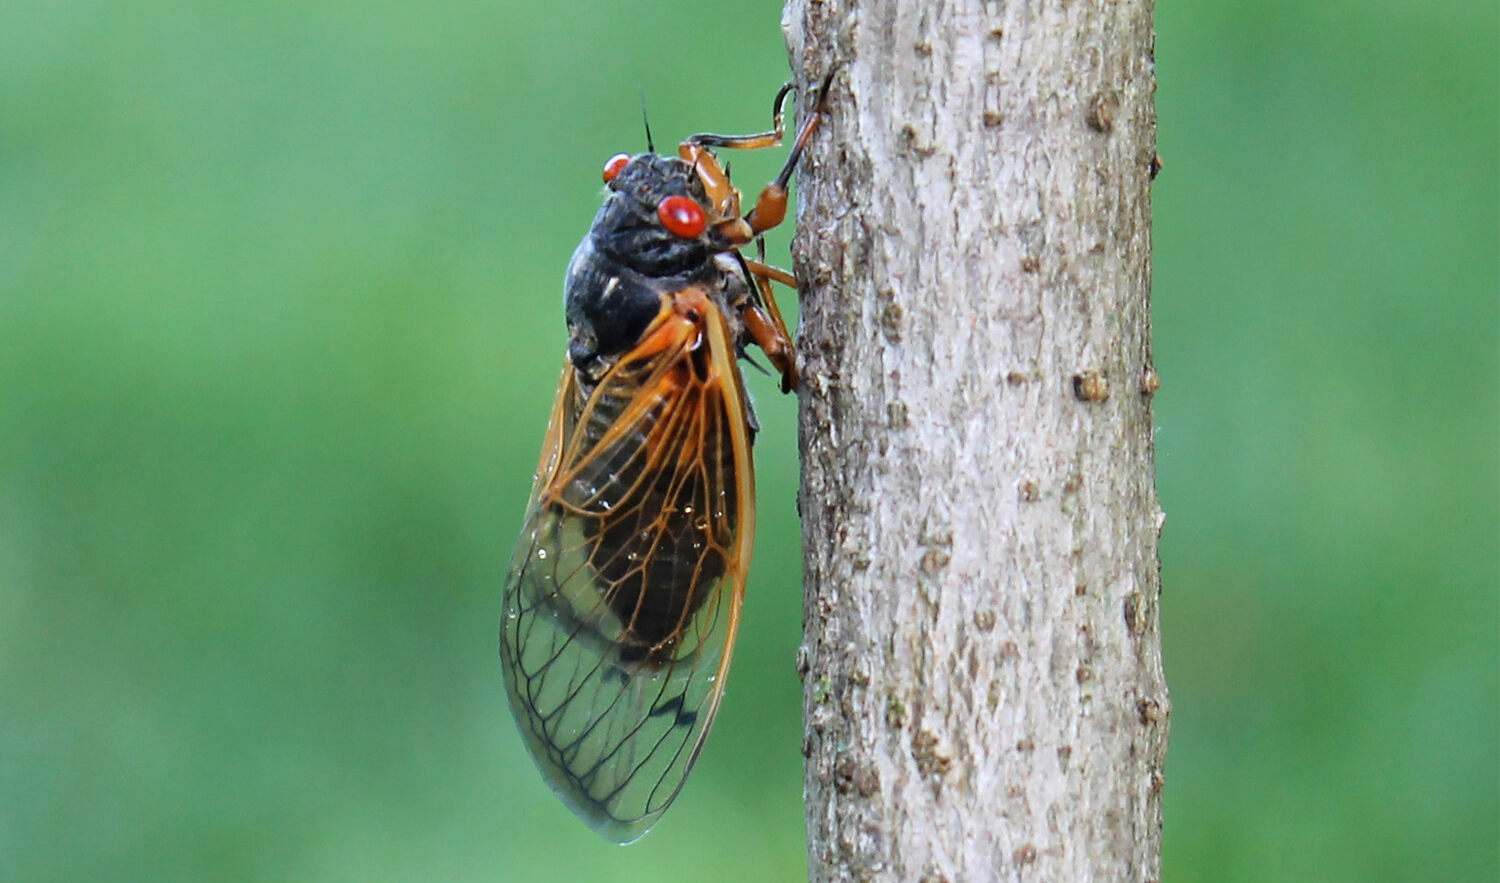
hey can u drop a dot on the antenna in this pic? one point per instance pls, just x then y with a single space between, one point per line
650 146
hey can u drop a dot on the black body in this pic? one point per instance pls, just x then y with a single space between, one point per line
628 260
621 277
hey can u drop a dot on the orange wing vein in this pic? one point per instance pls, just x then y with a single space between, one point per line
624 591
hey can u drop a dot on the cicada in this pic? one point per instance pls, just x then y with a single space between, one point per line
624 592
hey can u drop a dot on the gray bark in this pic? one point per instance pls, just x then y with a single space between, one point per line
984 694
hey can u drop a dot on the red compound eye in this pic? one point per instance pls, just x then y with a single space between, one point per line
682 216
616 164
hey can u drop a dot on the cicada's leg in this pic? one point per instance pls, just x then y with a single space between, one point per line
764 324
775 274
698 151
721 194
770 206
758 140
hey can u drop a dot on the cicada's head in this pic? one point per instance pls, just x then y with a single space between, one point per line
657 218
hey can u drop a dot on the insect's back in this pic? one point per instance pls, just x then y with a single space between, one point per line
623 596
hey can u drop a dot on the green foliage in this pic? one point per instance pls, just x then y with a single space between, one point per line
279 327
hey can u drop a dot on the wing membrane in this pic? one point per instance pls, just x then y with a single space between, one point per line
624 592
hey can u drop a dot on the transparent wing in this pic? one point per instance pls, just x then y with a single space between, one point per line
624 591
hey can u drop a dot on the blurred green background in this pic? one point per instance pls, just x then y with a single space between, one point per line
279 329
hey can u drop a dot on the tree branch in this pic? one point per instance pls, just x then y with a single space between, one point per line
983 687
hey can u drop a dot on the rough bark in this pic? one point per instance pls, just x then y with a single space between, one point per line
984 694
